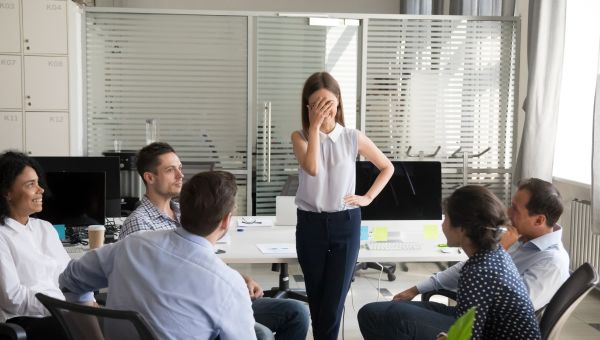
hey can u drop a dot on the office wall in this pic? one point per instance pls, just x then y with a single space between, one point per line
330 6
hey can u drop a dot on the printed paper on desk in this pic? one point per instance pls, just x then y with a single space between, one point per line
277 248
253 221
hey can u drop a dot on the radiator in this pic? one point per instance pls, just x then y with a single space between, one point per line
585 246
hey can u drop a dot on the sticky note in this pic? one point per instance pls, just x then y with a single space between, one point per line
364 233
380 234
431 232
60 229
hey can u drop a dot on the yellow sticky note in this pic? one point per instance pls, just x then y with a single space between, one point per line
380 233
431 232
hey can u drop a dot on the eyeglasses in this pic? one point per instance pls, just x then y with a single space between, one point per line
250 220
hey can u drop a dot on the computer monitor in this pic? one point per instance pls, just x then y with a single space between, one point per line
413 193
109 166
75 199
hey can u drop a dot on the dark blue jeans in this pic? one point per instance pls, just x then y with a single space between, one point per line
327 245
404 320
288 319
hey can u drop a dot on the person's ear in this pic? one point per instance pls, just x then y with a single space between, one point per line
540 220
148 177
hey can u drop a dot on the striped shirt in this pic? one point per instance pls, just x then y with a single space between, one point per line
148 217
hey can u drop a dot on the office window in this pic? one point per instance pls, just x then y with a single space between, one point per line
573 150
189 72
443 90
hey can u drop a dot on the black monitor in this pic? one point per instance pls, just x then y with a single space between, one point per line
74 199
413 193
77 168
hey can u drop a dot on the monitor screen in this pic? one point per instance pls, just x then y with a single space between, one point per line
107 165
413 193
74 199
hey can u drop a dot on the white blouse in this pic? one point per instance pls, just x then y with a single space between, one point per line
31 259
336 175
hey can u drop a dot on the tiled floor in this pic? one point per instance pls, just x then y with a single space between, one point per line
364 290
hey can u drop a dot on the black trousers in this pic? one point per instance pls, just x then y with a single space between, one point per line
327 245
47 328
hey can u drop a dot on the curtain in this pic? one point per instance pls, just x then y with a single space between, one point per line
459 7
545 45
596 157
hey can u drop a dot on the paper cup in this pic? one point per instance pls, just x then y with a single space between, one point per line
96 235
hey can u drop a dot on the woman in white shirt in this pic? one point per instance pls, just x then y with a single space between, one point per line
328 229
31 254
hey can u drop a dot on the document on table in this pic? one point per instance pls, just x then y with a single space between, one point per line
253 221
277 248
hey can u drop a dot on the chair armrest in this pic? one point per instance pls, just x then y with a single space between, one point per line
443 292
12 331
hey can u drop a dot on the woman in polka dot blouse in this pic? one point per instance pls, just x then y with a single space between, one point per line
489 281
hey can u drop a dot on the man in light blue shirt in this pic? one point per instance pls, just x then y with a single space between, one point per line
173 277
538 254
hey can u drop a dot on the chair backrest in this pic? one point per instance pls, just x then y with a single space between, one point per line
566 299
96 323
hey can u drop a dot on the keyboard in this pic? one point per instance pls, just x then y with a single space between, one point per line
393 245
74 249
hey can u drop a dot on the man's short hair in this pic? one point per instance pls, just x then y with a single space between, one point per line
544 199
205 200
148 157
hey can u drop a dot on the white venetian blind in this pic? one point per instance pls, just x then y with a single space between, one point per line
444 83
189 72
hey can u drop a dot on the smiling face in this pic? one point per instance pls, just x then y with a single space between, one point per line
328 97
25 195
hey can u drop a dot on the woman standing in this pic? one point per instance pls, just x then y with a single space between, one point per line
328 230
31 254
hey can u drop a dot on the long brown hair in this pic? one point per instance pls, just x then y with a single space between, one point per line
317 81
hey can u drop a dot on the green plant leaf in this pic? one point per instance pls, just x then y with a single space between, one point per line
463 326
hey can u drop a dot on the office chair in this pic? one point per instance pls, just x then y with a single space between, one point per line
555 314
566 299
92 323
12 331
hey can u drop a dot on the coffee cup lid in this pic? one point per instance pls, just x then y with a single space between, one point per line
96 227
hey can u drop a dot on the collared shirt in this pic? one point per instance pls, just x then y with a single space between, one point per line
148 217
336 173
543 264
489 281
174 279
31 258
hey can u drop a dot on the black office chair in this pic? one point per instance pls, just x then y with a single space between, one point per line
555 314
92 323
12 331
566 299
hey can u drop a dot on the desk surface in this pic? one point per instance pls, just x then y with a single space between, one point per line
243 249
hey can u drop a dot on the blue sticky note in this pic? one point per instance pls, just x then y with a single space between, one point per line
60 229
364 233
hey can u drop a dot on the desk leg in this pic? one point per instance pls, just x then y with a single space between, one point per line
283 291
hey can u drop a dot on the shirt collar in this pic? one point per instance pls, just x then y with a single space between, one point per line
153 211
334 134
548 240
203 242
16 226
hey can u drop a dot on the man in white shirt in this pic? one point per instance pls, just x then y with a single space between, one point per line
161 170
173 277
538 254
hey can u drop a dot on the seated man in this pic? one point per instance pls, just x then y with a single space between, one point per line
160 169
173 277
539 255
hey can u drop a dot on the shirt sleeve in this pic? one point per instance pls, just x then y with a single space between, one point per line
237 318
90 272
16 298
447 279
